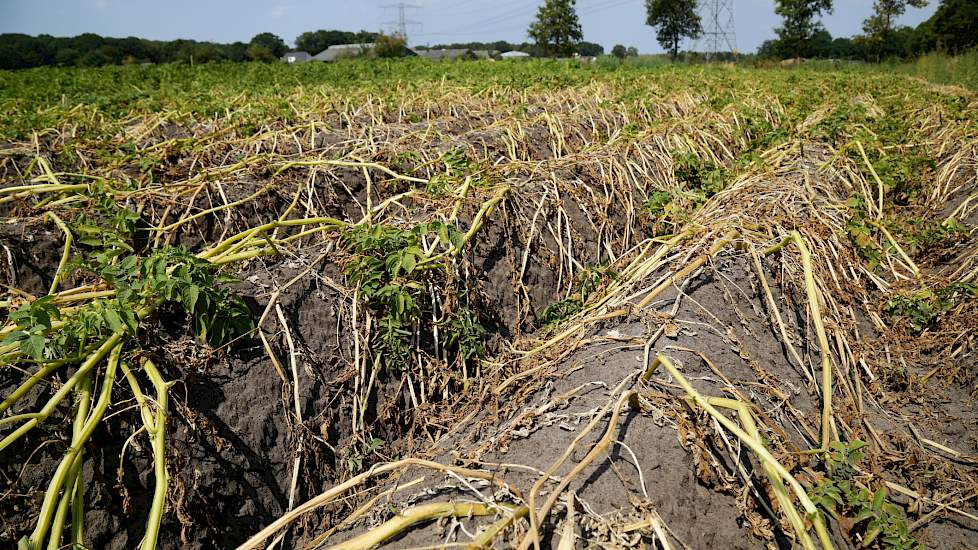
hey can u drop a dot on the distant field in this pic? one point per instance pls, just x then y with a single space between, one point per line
252 92
490 304
941 69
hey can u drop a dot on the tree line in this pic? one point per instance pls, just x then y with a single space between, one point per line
951 29
582 48
20 51
556 32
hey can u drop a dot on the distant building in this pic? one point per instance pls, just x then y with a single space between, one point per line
485 54
447 54
342 51
296 57
514 55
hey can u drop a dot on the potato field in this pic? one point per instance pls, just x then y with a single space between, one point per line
410 304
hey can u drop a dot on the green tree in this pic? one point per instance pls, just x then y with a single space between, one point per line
260 53
94 58
389 46
270 42
66 57
314 41
879 27
846 48
317 41
589 49
951 28
557 29
18 51
619 51
675 20
821 45
769 49
236 51
799 26
206 52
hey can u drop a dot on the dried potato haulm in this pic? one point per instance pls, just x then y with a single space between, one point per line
487 305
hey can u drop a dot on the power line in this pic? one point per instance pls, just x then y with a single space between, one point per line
500 19
459 5
479 11
586 10
517 13
492 21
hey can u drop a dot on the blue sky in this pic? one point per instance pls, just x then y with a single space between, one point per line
606 22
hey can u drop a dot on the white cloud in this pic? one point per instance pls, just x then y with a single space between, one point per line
280 11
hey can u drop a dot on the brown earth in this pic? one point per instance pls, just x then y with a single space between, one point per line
234 436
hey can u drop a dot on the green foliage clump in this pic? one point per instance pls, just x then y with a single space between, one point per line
383 255
925 236
465 332
865 234
921 308
862 234
879 522
386 46
107 229
664 210
141 284
359 451
837 126
391 271
701 176
456 167
759 130
172 274
89 325
657 203
34 321
905 175
587 283
700 179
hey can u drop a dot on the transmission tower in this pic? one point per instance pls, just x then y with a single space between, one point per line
399 26
719 32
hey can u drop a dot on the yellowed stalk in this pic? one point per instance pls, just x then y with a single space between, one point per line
816 315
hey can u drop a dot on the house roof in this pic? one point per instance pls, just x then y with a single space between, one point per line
338 51
298 55
446 53
514 53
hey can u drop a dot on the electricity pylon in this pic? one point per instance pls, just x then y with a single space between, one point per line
401 23
719 32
